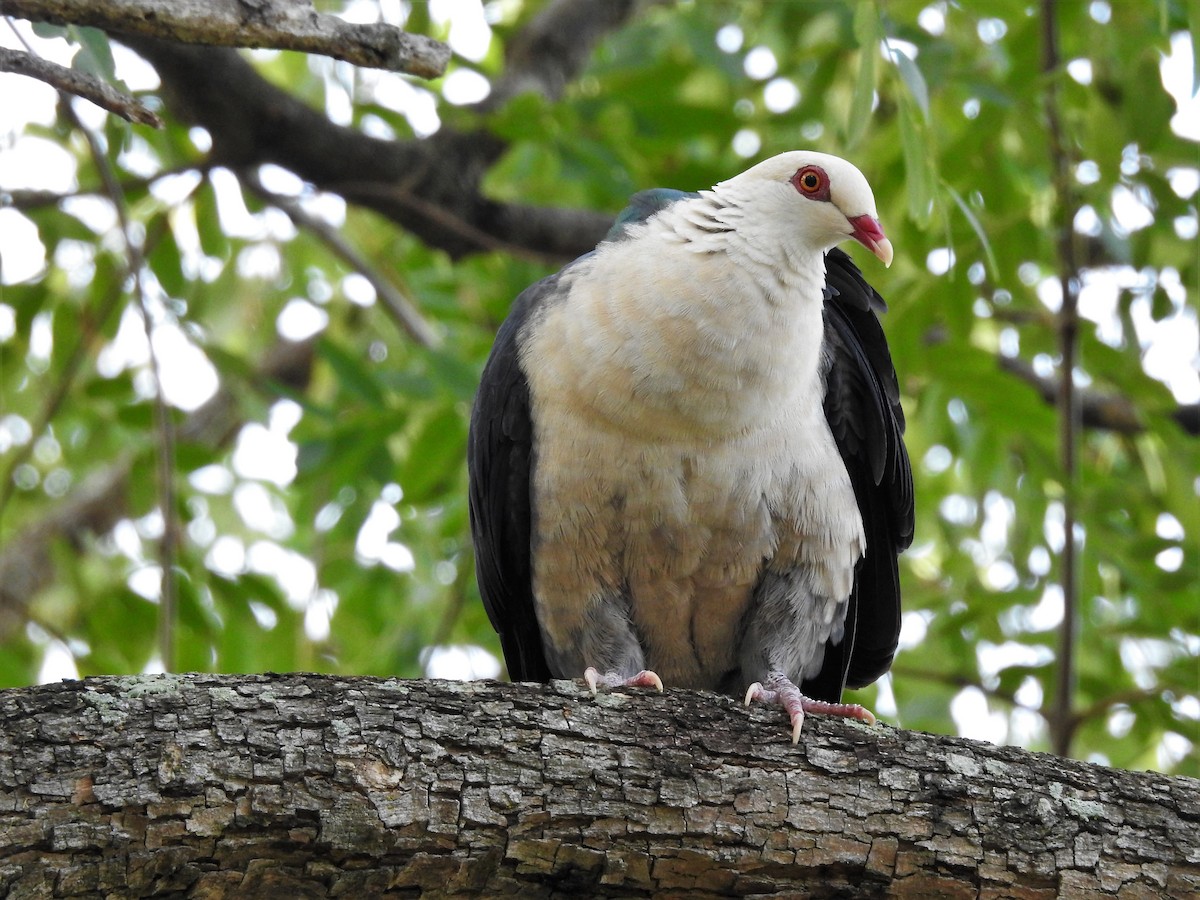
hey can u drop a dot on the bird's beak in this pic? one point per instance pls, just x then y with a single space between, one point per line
868 232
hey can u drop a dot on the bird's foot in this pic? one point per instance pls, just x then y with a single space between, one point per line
780 689
644 678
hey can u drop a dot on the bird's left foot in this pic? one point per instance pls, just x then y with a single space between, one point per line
780 689
644 678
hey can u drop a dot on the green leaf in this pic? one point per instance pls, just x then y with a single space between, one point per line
196 626
48 31
913 80
116 389
866 30
121 631
137 416
977 227
436 453
352 373
95 54
213 240
167 264
454 373
916 168
28 300
19 662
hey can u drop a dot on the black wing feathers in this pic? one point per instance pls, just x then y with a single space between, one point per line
500 461
862 406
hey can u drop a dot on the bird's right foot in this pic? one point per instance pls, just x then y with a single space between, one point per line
644 678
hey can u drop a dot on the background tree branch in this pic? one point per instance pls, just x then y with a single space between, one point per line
81 84
1111 412
551 51
431 187
280 24
258 786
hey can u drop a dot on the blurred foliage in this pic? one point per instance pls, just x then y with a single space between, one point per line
359 560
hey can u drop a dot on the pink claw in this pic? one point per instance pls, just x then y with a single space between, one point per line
783 692
644 678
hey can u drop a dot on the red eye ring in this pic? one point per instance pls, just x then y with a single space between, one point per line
811 182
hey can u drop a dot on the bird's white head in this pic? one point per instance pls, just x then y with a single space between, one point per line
815 197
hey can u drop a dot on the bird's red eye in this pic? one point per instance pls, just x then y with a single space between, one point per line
811 181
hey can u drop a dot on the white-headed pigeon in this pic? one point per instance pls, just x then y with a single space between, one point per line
686 454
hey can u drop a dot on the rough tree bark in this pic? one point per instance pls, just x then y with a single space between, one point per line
313 786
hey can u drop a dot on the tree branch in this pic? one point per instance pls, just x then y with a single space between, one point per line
431 187
253 122
313 786
81 84
1111 412
552 50
402 310
280 24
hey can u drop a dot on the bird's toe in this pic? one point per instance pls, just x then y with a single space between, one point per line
783 692
596 680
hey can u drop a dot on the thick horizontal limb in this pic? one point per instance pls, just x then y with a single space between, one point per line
315 786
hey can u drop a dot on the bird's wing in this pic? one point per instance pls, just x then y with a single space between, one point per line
499 462
862 406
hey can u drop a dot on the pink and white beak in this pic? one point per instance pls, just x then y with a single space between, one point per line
868 232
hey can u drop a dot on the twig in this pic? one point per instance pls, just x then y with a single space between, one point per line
280 24
397 194
81 84
164 427
403 311
1061 720
28 199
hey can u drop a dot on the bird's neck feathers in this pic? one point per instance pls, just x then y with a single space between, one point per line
788 267
693 324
